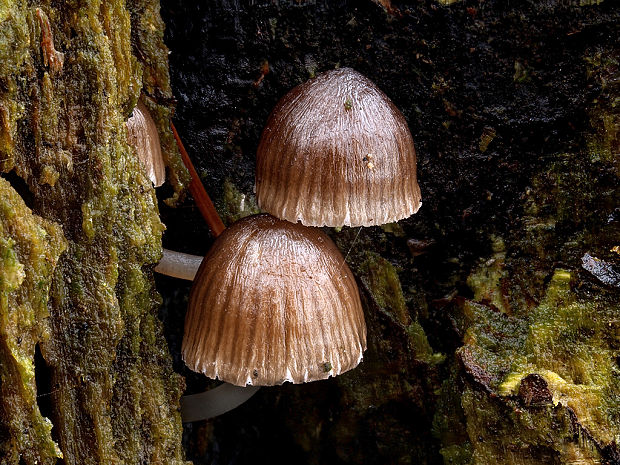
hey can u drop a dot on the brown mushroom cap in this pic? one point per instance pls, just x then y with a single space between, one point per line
336 151
144 138
272 302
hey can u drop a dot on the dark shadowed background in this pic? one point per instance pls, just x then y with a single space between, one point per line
513 109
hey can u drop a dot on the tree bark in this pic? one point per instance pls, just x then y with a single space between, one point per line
86 373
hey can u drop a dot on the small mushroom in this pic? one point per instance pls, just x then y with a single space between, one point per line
273 302
336 151
143 137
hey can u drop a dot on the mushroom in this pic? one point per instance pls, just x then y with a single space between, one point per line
273 302
336 151
143 137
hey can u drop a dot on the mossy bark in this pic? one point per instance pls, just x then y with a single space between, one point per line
79 227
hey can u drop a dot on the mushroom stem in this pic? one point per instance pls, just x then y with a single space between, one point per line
214 402
178 265
203 201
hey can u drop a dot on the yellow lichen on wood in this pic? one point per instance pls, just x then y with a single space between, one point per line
113 396
29 251
564 346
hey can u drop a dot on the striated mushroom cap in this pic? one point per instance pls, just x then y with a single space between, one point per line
273 302
336 151
143 137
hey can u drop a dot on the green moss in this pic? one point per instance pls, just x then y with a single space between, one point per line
422 347
393 228
235 204
485 280
15 42
604 114
382 280
492 340
567 344
63 131
511 434
565 215
565 339
449 423
29 250
456 454
11 270
559 331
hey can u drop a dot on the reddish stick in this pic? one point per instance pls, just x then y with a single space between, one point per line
202 199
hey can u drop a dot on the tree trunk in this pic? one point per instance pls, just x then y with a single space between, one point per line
85 371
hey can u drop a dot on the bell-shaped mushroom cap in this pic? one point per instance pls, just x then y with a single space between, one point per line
336 151
272 302
143 137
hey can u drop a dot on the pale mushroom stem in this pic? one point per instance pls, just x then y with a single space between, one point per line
214 402
178 265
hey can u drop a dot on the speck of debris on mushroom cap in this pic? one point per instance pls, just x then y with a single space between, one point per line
273 302
143 137
336 151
